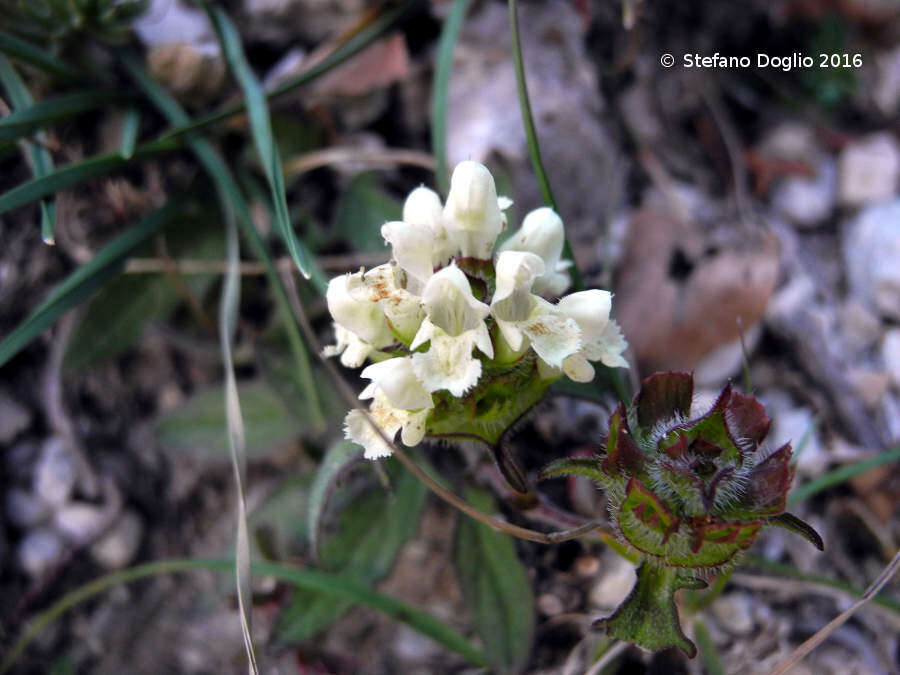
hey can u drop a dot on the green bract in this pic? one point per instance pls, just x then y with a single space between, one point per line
687 493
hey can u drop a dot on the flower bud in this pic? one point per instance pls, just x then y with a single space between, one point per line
422 208
472 215
542 233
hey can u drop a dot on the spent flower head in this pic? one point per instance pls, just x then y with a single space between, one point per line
688 491
462 344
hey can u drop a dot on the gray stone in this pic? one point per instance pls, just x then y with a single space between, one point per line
798 426
735 612
55 472
39 552
14 418
871 247
118 547
24 509
890 353
860 328
869 170
791 141
80 523
808 201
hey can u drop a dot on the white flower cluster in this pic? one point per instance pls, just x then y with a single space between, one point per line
417 318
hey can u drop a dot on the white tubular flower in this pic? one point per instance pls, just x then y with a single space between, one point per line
396 379
603 340
520 314
390 420
454 324
472 215
383 286
412 246
352 349
542 234
358 315
422 208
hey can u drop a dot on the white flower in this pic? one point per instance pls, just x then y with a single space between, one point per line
352 349
412 246
396 379
520 314
361 317
383 286
542 234
603 340
422 208
390 420
399 403
454 324
472 215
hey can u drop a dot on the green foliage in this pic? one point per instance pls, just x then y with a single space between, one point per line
369 534
362 204
64 23
496 587
82 283
197 427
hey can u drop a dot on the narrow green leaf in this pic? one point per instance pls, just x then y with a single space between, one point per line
27 52
371 531
85 280
709 654
276 530
197 426
589 467
64 177
321 582
32 116
41 161
841 475
337 460
793 573
223 179
496 587
449 34
130 127
261 127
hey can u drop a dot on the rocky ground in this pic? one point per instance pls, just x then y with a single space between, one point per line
735 212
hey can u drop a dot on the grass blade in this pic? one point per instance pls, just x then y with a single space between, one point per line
27 52
222 177
230 304
261 127
41 161
793 573
709 654
449 34
85 280
35 115
130 127
300 578
840 475
66 176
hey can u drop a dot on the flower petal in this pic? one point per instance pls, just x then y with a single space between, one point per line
358 429
395 377
553 335
362 317
423 208
449 302
472 215
515 273
403 310
412 246
590 309
448 364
